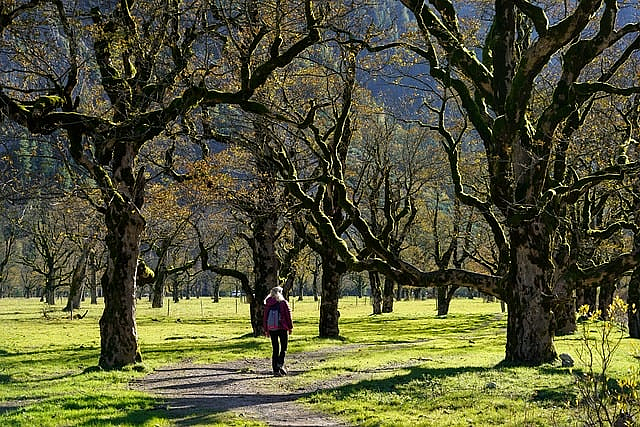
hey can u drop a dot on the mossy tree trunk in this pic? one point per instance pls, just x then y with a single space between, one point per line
530 326
266 265
125 225
332 271
118 329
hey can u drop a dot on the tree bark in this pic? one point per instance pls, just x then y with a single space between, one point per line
157 292
565 318
330 292
565 309
376 292
92 277
76 288
314 283
266 266
158 286
300 288
530 320
9 245
388 295
50 293
118 329
216 290
444 295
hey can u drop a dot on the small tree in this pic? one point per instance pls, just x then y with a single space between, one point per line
602 400
50 252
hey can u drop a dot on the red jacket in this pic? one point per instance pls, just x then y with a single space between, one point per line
285 314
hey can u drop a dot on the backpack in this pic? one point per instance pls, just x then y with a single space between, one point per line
273 318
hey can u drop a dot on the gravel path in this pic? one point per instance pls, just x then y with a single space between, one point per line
247 388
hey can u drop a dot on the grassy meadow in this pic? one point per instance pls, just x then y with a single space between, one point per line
425 370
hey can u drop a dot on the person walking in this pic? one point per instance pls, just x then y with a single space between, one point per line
278 325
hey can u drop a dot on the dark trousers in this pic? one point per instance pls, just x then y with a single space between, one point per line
279 342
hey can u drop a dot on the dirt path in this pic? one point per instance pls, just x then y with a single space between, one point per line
247 388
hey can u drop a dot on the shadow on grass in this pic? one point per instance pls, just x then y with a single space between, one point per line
245 336
428 377
134 411
201 418
234 346
560 395
415 373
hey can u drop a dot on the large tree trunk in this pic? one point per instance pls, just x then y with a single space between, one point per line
118 329
266 266
633 300
530 320
125 225
329 314
376 292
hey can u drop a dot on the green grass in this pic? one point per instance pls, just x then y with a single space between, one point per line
421 370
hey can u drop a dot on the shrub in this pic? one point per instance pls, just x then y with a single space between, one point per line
602 399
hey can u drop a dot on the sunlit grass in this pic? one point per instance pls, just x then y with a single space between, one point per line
416 369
